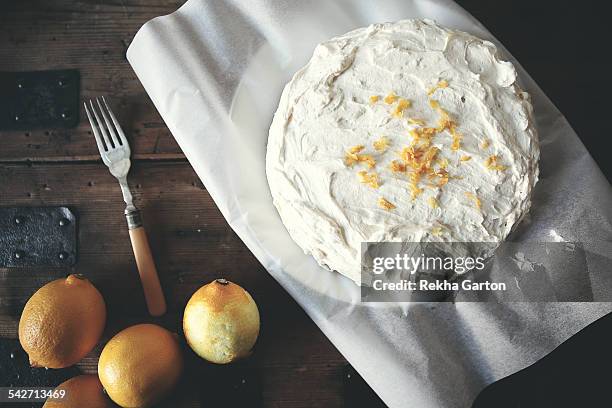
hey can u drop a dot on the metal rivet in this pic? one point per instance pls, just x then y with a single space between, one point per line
19 254
62 255
18 220
66 114
12 355
64 221
16 118
60 82
19 86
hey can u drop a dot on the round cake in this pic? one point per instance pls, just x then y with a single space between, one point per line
403 131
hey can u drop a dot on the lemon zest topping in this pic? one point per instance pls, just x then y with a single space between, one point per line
456 141
381 144
397 166
440 177
420 160
446 123
386 204
485 143
353 156
402 105
492 163
391 98
368 160
369 179
442 84
422 136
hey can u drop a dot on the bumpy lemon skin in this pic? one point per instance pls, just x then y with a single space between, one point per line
62 322
221 322
140 366
80 392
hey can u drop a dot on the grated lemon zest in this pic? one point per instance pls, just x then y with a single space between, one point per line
370 179
352 157
386 204
381 144
492 163
391 98
397 166
402 105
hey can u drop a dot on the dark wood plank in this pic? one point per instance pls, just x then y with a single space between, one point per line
192 244
92 37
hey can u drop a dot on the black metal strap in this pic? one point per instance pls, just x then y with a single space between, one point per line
37 236
42 99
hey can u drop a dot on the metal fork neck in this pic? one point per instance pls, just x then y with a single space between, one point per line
125 190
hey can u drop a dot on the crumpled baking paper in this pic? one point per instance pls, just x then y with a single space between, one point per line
215 71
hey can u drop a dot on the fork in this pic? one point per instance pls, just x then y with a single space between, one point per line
115 152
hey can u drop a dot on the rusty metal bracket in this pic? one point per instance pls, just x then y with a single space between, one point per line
37 236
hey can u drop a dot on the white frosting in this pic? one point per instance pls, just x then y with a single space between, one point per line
326 109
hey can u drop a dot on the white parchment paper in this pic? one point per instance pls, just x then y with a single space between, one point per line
215 70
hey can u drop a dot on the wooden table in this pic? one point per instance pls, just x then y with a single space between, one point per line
192 242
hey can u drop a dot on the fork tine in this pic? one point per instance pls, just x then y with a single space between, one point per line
116 122
95 131
101 126
109 126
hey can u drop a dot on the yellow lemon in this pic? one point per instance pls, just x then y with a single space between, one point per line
79 392
140 365
62 322
221 322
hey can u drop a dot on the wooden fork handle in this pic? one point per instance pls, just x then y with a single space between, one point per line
154 296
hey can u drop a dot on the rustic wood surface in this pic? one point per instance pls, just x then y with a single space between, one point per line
192 242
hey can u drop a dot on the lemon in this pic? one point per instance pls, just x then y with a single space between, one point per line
140 365
62 322
79 392
221 322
